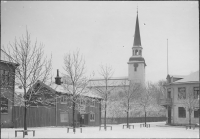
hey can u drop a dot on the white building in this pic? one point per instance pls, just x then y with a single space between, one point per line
182 94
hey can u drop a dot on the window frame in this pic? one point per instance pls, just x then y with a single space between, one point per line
184 97
169 93
180 112
92 104
61 119
65 98
6 104
196 92
82 102
198 113
92 116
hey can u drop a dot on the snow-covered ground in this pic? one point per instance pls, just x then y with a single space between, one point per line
157 130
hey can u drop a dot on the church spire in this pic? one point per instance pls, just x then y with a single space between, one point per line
137 39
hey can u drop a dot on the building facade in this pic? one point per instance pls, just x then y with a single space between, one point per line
182 99
7 82
87 105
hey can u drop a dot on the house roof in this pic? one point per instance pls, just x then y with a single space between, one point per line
64 90
192 78
178 76
5 58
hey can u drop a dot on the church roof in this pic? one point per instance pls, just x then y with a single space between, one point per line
137 39
113 82
136 59
140 59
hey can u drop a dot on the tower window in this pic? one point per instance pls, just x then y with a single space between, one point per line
135 66
136 52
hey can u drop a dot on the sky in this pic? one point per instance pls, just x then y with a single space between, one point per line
103 32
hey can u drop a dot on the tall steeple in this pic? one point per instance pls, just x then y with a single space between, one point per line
136 63
137 39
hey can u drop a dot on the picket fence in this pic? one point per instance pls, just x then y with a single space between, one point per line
46 116
132 120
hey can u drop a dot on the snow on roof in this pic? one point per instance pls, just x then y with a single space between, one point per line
193 77
63 89
178 76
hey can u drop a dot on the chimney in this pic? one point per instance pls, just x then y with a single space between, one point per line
58 79
168 79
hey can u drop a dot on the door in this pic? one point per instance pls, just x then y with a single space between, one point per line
85 119
169 115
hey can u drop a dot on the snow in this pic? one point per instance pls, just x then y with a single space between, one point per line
157 130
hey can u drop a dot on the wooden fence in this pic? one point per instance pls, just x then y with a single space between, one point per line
132 120
36 116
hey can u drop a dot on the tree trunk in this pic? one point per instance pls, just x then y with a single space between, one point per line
190 118
105 118
127 119
73 116
145 118
25 117
127 115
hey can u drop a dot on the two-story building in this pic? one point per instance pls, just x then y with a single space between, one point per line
182 99
87 104
7 82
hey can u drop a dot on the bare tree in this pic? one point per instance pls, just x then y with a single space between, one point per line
191 102
146 100
159 89
74 66
33 66
105 86
129 94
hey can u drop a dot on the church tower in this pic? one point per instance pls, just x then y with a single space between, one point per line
136 63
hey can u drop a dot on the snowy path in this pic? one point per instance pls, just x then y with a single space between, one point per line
157 130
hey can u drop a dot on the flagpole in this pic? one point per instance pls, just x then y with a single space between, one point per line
167 59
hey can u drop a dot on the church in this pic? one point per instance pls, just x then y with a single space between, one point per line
136 65
112 87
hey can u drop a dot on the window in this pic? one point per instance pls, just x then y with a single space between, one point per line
4 105
64 117
92 103
136 52
6 77
181 112
63 100
169 93
82 102
196 92
196 113
181 93
92 116
135 66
